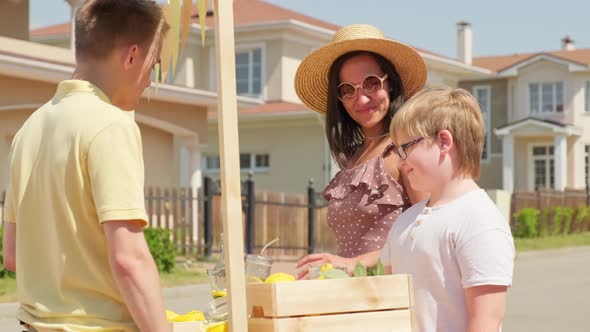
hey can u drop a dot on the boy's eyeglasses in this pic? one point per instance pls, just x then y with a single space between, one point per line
370 86
402 149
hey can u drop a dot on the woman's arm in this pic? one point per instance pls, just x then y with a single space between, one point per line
347 264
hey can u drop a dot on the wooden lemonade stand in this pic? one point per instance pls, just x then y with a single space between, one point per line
378 303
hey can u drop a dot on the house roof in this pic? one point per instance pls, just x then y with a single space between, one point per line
270 108
58 29
246 12
503 62
556 126
256 11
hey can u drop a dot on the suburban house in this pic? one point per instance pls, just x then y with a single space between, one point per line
537 110
281 141
535 106
173 121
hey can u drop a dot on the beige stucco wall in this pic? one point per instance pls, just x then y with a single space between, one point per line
296 150
538 72
193 118
14 19
161 162
491 169
158 156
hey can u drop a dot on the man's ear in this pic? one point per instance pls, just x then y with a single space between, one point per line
131 56
445 141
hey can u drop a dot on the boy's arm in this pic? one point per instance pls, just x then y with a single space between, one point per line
9 246
135 273
486 306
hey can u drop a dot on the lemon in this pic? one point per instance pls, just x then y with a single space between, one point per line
252 279
170 315
279 277
193 316
218 327
217 294
326 267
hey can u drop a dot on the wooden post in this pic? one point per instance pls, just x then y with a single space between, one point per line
310 217
231 208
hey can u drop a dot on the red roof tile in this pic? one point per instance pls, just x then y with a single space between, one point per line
269 108
245 12
502 62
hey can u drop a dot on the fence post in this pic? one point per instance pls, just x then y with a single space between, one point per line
538 199
207 217
250 208
310 217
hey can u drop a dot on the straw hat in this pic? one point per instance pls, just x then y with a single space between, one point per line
311 79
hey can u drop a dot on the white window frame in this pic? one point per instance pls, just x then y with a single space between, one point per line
487 117
243 47
531 162
540 97
254 169
586 87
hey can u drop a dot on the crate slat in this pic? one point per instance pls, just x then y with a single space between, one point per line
312 297
382 321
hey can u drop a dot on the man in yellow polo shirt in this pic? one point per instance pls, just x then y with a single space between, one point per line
75 206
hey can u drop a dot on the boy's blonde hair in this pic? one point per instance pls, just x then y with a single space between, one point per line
444 108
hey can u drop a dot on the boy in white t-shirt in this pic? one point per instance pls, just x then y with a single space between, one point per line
457 245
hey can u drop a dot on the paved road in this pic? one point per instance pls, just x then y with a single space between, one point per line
551 292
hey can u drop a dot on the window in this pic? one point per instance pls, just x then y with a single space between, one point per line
249 72
212 163
482 94
248 162
543 167
546 97
587 96
587 163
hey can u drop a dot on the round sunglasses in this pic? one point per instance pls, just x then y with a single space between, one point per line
370 86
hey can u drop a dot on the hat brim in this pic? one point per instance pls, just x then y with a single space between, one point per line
311 79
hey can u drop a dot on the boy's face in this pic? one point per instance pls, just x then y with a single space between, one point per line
422 157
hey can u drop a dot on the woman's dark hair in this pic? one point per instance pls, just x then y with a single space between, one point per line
343 133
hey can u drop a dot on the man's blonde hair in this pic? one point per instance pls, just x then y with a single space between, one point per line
103 25
444 108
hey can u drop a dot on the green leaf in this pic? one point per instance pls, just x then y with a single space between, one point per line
334 274
360 270
378 269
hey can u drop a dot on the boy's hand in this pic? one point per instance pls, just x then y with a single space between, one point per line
486 306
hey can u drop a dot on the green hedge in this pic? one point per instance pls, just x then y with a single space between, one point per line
160 243
526 223
530 222
3 271
158 240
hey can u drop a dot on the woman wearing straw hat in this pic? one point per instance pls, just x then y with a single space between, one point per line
358 81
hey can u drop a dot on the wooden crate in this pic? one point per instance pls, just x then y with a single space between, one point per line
383 303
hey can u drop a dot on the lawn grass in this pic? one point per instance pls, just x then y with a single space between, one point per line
553 242
179 277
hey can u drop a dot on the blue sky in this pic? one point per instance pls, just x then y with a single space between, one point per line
499 26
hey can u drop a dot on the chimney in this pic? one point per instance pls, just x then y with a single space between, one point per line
464 42
567 44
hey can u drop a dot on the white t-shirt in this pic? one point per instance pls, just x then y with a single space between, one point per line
462 244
